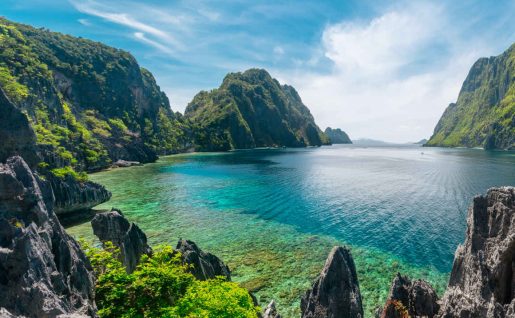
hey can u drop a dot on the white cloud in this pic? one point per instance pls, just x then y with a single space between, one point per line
161 47
84 22
378 86
95 9
278 51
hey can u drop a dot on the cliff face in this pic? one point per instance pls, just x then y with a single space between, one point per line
484 114
18 138
251 109
16 135
335 293
337 136
43 272
89 104
114 227
413 298
482 282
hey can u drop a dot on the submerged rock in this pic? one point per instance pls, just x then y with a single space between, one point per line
128 237
482 281
335 293
271 311
43 272
120 163
205 265
414 298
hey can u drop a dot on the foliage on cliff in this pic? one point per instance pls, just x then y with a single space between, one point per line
251 109
88 103
484 114
337 136
161 287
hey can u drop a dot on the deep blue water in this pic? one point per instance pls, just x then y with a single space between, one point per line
274 214
395 199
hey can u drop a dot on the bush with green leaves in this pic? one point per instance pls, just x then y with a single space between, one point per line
161 286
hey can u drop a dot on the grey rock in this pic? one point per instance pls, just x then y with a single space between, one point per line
128 237
271 311
4 313
482 281
335 293
72 196
205 265
120 163
16 134
18 138
417 298
43 272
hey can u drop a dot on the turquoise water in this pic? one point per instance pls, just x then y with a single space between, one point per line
273 215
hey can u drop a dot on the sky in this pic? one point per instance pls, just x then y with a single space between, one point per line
376 69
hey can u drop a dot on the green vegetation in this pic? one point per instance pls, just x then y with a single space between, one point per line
162 287
68 171
251 109
88 103
16 91
484 115
91 104
337 136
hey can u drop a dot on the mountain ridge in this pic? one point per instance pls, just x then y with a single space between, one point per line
484 113
251 109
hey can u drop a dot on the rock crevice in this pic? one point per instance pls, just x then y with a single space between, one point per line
43 271
335 293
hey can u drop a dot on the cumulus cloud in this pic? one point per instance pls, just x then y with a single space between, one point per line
385 82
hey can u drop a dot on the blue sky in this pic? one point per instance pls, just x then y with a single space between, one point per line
377 69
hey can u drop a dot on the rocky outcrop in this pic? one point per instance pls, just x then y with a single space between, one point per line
205 265
128 237
71 195
415 298
124 163
337 136
271 311
482 281
18 138
16 135
335 293
43 272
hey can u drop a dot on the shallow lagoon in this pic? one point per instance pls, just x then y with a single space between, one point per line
273 215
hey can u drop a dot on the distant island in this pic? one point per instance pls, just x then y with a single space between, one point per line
371 142
421 142
337 136
251 109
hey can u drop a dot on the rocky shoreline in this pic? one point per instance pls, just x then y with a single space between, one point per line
36 251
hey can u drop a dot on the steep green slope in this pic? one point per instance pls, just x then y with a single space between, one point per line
337 136
251 109
484 115
88 103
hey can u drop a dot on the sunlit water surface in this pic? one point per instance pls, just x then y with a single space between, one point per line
273 215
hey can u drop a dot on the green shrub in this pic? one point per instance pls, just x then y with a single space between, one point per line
162 287
68 171
16 91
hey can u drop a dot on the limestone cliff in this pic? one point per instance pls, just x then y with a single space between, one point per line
482 282
335 293
484 114
251 109
43 271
